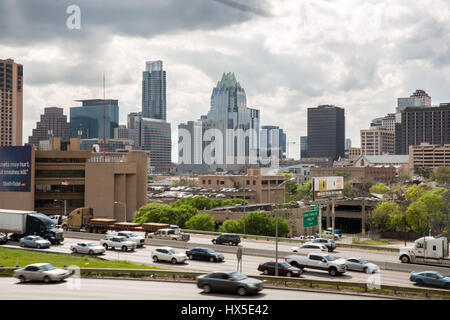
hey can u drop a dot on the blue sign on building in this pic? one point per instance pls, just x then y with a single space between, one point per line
15 168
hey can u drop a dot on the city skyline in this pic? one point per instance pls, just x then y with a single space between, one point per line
308 65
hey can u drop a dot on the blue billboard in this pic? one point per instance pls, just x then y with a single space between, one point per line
15 168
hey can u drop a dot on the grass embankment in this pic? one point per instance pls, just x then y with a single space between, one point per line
371 242
18 257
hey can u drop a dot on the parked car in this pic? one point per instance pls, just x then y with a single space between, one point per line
229 238
3 238
130 235
87 247
34 242
359 264
284 269
430 278
168 254
41 272
337 233
116 242
330 244
310 247
199 253
229 282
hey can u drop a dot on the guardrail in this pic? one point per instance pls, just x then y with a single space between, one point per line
286 282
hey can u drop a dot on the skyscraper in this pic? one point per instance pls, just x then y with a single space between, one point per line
134 127
326 132
87 121
154 91
53 123
156 138
268 137
11 103
418 99
303 147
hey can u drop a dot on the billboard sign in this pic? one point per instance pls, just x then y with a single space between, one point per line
15 168
328 187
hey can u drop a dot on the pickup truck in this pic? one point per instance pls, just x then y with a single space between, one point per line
320 261
168 234
116 242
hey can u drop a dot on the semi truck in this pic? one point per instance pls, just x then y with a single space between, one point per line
82 219
18 224
426 250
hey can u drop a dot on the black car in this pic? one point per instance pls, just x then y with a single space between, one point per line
229 282
3 238
228 238
204 254
284 269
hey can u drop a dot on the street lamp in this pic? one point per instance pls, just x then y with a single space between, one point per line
125 206
276 223
65 206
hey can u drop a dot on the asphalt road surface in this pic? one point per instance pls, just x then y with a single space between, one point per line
106 289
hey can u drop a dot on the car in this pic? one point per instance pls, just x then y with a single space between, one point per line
229 282
310 247
34 242
41 272
330 244
116 242
130 235
430 278
284 269
229 238
87 247
199 253
3 238
359 264
168 254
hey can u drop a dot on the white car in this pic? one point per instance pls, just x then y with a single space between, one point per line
359 264
87 247
168 254
130 235
310 247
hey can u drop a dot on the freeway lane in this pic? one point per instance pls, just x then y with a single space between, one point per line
249 265
106 289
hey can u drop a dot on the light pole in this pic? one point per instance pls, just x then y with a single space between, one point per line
125 206
276 223
65 206
244 184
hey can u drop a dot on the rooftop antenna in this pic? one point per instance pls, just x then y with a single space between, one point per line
104 119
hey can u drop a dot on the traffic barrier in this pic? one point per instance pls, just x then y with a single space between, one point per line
285 281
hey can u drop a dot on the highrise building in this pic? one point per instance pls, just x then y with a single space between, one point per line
156 138
377 141
154 91
134 127
11 103
418 99
326 132
53 123
87 121
303 147
348 144
272 137
425 124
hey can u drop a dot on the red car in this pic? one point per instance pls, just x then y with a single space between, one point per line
284 269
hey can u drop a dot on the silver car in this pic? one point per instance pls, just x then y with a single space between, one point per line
87 247
359 264
34 242
41 272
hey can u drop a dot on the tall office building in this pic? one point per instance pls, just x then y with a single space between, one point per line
134 127
156 138
348 144
87 121
326 132
273 137
425 124
11 103
53 123
377 141
303 147
154 91
418 99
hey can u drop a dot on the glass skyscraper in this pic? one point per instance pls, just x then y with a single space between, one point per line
154 91
86 121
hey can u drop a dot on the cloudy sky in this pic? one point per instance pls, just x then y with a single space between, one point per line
288 55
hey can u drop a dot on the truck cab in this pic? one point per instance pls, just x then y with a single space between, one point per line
425 247
77 219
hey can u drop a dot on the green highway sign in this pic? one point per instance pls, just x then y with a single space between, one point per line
313 208
310 219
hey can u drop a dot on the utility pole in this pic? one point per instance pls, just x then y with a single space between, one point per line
104 120
333 216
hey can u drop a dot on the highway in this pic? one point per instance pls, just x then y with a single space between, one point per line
249 264
115 289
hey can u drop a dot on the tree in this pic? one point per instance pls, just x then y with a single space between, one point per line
201 222
378 188
381 214
304 192
425 172
232 226
414 192
163 213
349 191
426 212
441 175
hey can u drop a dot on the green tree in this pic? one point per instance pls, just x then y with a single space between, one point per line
425 172
414 192
349 191
163 213
426 212
441 175
304 192
378 188
232 226
201 222
381 215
